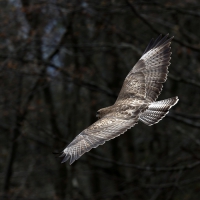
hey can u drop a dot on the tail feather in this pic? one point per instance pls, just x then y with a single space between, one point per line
157 111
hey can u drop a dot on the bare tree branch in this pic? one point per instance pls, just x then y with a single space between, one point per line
153 169
155 30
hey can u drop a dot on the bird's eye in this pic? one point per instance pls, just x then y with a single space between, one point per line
98 114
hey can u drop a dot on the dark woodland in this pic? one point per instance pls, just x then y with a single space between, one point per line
60 62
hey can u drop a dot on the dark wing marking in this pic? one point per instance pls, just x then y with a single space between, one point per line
146 78
97 134
133 86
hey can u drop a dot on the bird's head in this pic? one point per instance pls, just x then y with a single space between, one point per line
102 112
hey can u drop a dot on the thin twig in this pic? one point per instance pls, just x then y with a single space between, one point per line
154 169
155 30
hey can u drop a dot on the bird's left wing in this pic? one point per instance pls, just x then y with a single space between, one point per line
97 134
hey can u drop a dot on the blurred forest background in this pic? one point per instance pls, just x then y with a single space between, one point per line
61 61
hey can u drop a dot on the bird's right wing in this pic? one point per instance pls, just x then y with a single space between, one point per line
149 73
97 134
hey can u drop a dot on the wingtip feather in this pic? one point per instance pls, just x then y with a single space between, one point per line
67 156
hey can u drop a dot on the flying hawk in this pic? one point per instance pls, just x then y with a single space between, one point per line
136 101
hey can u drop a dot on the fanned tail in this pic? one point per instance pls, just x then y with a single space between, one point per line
157 111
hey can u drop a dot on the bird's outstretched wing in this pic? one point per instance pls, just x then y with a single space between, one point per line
145 80
97 134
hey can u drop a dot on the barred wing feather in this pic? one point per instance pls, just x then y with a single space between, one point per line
97 134
150 72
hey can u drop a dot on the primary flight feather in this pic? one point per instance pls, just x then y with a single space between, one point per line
136 101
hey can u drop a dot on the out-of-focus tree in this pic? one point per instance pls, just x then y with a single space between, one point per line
61 61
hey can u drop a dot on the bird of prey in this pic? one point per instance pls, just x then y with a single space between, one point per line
136 101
